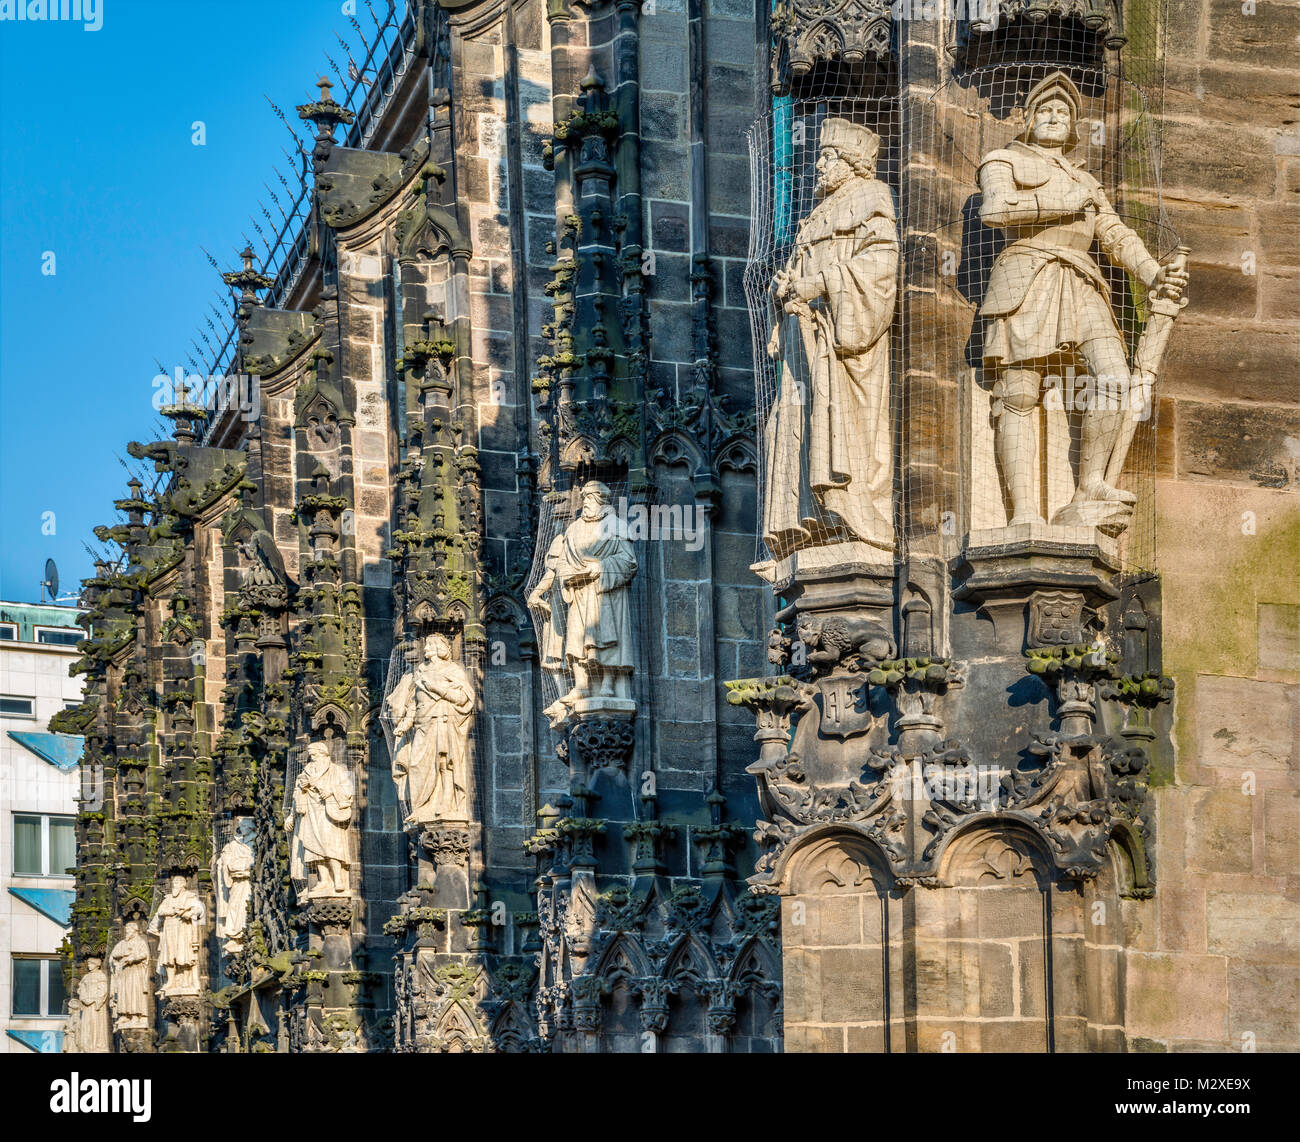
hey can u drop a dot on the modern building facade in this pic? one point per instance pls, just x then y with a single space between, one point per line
759 530
39 791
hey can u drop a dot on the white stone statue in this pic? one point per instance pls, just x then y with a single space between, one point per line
72 1028
177 924
584 598
1047 304
129 970
319 819
827 439
235 886
93 1034
431 709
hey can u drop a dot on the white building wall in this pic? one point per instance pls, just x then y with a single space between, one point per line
29 784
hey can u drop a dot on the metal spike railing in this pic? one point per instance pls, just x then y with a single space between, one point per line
368 87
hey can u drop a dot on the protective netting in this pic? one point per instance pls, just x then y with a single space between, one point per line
822 289
1003 376
224 831
1041 258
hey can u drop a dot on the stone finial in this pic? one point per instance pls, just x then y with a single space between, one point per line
325 114
247 279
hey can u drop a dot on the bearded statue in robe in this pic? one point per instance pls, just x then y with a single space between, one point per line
318 820
176 924
431 709
129 971
827 441
235 887
585 602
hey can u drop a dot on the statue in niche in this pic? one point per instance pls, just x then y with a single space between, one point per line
235 886
431 709
93 1034
1047 305
318 821
584 598
176 924
129 971
827 440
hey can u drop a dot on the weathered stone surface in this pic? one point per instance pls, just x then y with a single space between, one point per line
1264 1001
1253 926
1231 443
1244 724
1176 997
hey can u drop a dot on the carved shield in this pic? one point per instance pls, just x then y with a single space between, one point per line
844 707
1055 618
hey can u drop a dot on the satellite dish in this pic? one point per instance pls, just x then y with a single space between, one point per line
51 581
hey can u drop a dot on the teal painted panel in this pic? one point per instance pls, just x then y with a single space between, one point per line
63 751
56 903
42 1042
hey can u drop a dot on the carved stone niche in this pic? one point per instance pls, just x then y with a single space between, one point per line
808 32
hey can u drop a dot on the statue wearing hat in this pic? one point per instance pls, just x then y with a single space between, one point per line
827 438
1048 306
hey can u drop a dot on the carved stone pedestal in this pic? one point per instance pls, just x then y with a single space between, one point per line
181 1015
135 1041
598 746
1000 578
444 864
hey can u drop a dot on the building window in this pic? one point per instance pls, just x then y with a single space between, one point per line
37 987
44 845
11 706
8 632
59 636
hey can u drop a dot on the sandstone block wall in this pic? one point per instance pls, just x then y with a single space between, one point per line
1218 965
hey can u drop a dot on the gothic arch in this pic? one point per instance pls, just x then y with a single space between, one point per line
457 1031
833 855
971 853
623 959
674 447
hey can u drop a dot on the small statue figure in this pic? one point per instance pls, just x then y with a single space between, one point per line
235 886
176 923
93 1034
319 821
1047 303
431 709
72 1028
129 971
584 599
827 441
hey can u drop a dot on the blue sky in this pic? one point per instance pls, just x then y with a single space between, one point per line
97 165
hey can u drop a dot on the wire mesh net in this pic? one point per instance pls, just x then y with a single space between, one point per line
822 290
1004 373
1035 355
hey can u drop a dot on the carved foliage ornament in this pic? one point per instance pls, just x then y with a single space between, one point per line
807 32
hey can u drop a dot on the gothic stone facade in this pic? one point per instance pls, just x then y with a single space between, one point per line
961 783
